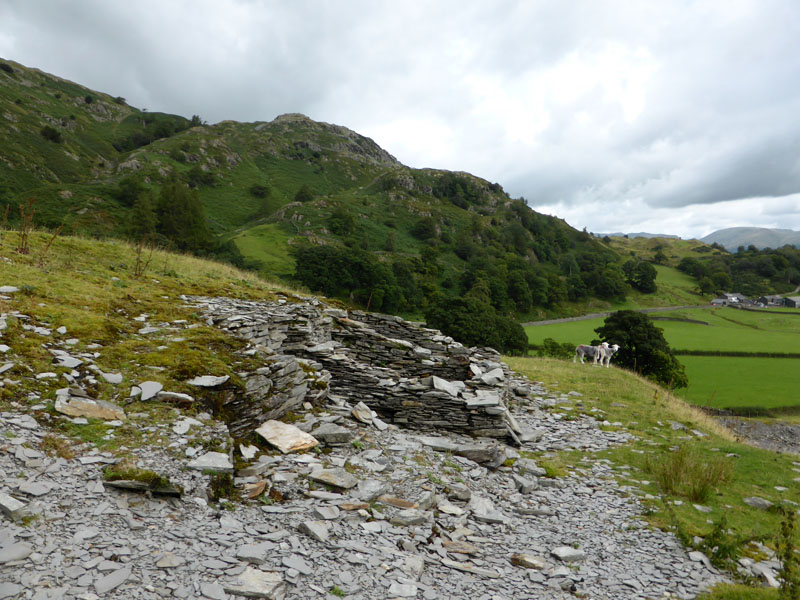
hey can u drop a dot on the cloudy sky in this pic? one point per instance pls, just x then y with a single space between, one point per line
668 116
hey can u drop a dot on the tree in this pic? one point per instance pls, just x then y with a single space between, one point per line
643 348
197 176
128 190
264 195
424 229
644 277
474 322
641 275
181 217
304 194
341 222
722 281
142 225
706 285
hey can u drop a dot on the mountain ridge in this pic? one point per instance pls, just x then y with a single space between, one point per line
760 237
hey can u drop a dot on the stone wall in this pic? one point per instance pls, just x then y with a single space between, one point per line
409 375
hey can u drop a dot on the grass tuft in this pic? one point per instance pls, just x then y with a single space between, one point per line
57 446
688 472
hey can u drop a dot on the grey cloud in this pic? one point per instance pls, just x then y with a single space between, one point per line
719 82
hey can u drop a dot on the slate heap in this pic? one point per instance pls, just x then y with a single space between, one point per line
410 375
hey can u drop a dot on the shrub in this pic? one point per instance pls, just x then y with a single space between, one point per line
51 133
6 67
88 99
259 190
304 194
474 322
551 347
787 553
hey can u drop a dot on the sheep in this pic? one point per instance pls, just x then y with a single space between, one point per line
593 352
606 353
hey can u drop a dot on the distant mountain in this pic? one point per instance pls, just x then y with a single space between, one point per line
760 237
641 234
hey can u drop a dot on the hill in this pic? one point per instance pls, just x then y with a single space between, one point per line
642 234
734 237
308 202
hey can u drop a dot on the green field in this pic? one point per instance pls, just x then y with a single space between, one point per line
720 382
733 382
269 245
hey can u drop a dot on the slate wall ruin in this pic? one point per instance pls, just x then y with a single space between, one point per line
410 375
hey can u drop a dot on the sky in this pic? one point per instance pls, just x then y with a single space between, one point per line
677 117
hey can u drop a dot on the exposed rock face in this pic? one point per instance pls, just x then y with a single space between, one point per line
409 375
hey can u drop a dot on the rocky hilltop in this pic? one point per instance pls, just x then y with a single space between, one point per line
369 457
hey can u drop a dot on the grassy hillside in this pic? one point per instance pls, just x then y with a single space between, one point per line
680 459
103 293
98 166
672 249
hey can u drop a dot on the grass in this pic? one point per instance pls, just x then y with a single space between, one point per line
674 249
57 446
268 245
657 465
739 592
127 471
742 383
687 472
732 329
90 287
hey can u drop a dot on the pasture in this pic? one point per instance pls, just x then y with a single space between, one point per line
742 383
735 382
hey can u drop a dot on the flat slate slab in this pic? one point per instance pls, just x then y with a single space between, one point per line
212 461
208 381
254 583
285 437
337 477
88 407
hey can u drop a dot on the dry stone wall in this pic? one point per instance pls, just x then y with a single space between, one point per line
408 374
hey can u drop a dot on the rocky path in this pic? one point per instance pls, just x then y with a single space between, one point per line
403 515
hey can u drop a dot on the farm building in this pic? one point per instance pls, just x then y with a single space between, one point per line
770 300
719 302
793 301
736 298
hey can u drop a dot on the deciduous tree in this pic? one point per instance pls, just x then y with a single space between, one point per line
643 348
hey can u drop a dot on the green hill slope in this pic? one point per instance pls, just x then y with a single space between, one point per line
267 190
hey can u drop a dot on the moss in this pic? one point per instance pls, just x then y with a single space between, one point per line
127 471
221 487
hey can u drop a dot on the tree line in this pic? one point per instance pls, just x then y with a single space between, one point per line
749 271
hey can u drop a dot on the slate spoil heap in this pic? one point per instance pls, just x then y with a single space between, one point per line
380 511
